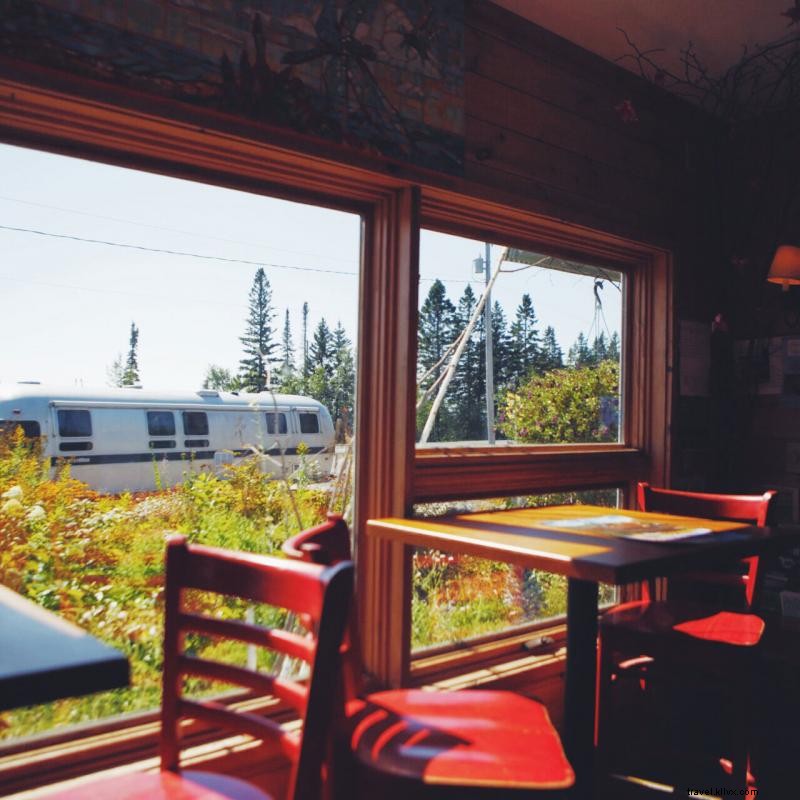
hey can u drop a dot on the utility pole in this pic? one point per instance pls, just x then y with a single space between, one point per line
487 326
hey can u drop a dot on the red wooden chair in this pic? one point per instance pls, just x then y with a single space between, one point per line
663 651
320 594
405 743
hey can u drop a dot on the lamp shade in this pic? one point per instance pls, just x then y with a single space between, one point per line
785 267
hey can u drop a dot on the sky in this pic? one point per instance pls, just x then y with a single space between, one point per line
67 305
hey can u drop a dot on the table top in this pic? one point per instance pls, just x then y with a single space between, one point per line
43 657
592 543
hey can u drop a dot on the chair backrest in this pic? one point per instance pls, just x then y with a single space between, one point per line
750 508
326 543
319 593
329 543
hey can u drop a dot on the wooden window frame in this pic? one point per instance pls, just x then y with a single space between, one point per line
456 473
81 119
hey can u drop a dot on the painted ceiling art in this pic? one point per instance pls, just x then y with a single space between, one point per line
386 77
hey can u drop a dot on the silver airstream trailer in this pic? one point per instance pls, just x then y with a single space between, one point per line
129 439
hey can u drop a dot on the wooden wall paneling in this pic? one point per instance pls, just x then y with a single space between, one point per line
599 80
560 117
386 428
513 153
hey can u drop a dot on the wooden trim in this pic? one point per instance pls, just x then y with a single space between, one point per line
498 474
385 441
37 117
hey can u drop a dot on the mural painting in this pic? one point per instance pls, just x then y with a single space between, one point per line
385 77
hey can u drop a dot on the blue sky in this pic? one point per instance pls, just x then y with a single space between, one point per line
66 305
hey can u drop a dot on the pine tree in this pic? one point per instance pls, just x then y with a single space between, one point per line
580 355
436 327
436 332
468 388
599 349
130 375
343 382
500 347
305 369
613 353
259 346
524 346
321 348
286 368
552 357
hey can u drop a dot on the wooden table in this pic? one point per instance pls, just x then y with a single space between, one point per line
44 658
575 542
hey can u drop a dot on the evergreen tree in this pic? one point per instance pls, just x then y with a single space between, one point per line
580 355
130 375
500 347
115 371
468 388
524 346
259 346
599 349
437 330
613 353
321 349
287 346
436 326
551 356
306 365
342 383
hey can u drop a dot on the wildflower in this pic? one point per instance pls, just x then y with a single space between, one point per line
34 513
11 507
14 493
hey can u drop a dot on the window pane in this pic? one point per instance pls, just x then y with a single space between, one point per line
271 423
195 423
551 372
160 423
309 423
457 597
74 423
268 310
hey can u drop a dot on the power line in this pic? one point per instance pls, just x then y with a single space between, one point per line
164 251
161 227
203 256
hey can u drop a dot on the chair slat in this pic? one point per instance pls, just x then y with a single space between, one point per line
292 644
237 574
288 691
241 722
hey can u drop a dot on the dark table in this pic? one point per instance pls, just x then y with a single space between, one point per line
574 541
44 658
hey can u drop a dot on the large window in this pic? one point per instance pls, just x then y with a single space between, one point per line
98 255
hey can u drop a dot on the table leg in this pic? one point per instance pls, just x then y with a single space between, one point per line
579 690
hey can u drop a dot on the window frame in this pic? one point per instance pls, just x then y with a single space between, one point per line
473 472
63 115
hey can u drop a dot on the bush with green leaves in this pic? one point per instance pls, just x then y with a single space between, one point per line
564 406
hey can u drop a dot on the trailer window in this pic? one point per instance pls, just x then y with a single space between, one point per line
309 423
195 423
30 428
160 423
74 423
281 427
73 447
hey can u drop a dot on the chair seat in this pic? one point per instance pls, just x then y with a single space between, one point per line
658 619
188 785
475 738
